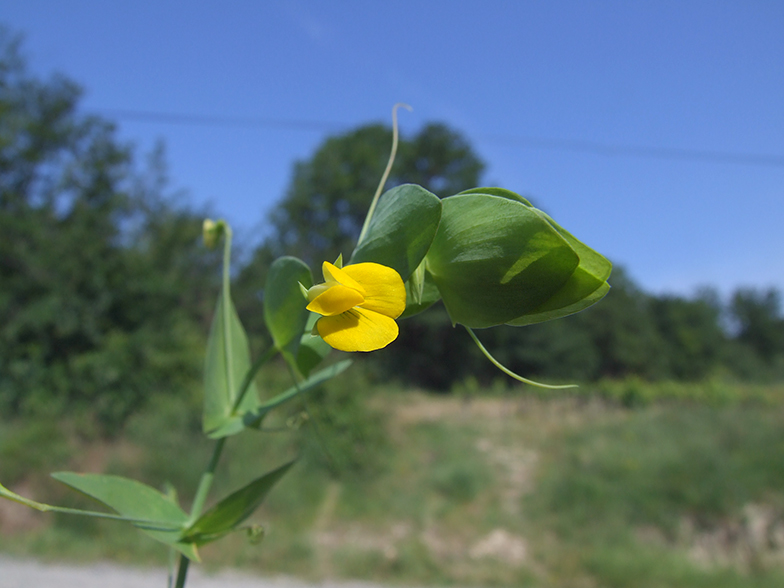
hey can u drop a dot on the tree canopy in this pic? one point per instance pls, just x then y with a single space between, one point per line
102 296
324 207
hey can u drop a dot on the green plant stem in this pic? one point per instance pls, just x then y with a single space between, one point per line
388 169
206 481
182 572
226 295
254 369
509 372
147 524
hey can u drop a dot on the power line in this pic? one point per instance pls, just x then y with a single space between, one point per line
579 146
221 121
641 151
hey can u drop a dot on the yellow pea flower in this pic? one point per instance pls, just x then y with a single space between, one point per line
359 305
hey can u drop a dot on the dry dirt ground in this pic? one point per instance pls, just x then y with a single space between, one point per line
32 574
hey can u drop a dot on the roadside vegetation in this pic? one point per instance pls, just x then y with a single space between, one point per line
501 488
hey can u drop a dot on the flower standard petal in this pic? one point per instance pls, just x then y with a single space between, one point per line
384 290
335 299
357 330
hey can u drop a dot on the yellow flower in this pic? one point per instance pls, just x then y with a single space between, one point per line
359 305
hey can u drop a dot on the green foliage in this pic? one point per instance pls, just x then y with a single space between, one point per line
227 363
31 446
691 332
163 519
660 466
325 207
629 496
225 516
477 263
345 436
401 229
586 285
496 259
284 304
456 469
603 492
757 315
102 300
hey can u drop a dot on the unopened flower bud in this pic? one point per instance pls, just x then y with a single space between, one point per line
211 232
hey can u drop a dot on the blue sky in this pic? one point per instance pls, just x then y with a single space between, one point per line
629 122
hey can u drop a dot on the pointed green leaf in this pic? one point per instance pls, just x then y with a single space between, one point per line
415 286
226 365
401 230
495 259
502 192
139 501
233 425
426 291
42 507
284 306
230 512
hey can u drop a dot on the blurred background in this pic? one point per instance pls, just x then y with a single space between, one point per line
653 131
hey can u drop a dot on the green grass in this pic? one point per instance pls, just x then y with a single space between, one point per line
685 472
657 466
507 490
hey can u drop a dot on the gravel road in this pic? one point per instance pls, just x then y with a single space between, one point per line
32 574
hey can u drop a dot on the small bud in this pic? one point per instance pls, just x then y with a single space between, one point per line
255 534
211 232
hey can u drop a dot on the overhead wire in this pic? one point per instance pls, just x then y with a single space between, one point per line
528 142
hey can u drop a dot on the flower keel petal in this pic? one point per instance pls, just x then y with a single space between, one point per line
335 300
357 330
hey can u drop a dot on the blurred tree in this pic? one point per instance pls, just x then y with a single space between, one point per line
562 349
101 287
325 205
756 315
324 208
623 331
692 333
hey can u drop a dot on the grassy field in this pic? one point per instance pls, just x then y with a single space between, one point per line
621 485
